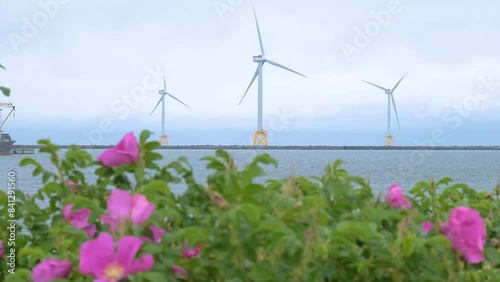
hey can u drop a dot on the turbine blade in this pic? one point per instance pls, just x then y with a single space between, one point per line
162 96
376 85
283 67
396 111
263 53
251 82
395 86
164 83
177 99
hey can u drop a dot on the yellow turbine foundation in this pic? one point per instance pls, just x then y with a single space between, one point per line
260 138
164 140
389 141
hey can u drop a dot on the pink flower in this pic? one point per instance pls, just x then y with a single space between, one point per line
189 253
73 185
396 199
2 250
176 269
99 259
465 230
427 226
79 219
156 232
51 269
123 208
125 152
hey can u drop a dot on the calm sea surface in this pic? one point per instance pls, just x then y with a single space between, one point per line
479 169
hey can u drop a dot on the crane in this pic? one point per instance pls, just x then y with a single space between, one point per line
8 105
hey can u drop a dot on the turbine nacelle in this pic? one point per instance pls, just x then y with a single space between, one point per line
259 58
162 92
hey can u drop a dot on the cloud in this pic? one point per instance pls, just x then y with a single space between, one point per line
83 64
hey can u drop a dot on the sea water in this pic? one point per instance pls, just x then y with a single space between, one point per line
479 169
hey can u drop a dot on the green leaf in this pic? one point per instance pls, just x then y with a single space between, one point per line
32 207
5 91
252 193
251 212
261 273
123 168
361 230
444 181
154 276
493 255
80 202
36 252
265 159
20 276
251 172
337 164
145 134
150 146
152 156
409 245
214 163
223 155
273 226
157 187
28 161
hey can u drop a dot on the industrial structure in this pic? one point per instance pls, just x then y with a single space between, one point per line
163 92
6 141
260 136
389 140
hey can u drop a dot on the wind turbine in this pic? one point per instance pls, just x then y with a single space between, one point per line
260 136
389 140
163 92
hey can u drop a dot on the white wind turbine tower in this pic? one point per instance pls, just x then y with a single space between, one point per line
389 140
163 137
260 136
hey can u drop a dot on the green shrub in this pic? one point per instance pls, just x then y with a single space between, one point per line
329 228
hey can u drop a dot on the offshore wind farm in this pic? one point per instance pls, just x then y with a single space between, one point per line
331 108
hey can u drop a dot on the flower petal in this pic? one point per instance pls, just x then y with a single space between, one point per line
114 158
119 204
179 270
126 151
96 254
129 144
141 209
90 230
111 222
145 263
126 250
427 226
51 269
157 233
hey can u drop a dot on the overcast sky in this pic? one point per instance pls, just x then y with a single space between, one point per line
87 72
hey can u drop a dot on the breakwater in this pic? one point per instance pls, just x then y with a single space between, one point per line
236 147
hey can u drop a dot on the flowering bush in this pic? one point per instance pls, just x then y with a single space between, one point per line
129 226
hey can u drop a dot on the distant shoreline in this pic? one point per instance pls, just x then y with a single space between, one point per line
333 148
